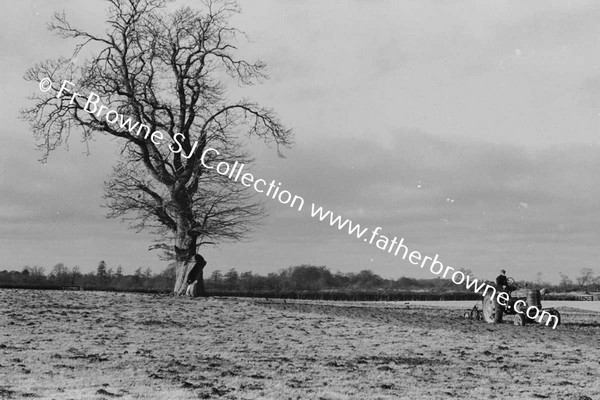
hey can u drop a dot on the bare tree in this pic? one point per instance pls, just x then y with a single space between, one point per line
61 274
586 278
37 272
164 73
565 282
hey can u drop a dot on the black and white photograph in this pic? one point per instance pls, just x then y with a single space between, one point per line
300 199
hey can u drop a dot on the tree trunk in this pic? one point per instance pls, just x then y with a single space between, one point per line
182 270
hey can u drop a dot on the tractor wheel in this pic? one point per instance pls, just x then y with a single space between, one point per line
520 319
556 314
492 311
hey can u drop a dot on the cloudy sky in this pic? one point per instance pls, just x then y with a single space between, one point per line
471 129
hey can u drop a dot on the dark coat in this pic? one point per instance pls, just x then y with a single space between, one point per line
501 280
195 272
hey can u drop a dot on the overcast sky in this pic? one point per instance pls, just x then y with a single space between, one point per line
471 129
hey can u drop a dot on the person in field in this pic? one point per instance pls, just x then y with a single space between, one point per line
195 275
502 282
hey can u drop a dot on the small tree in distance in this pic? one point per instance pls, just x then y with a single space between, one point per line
167 71
102 273
585 278
232 277
565 282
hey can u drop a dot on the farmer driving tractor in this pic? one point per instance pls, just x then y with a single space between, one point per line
502 282
523 303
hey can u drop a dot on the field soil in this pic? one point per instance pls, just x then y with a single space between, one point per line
96 345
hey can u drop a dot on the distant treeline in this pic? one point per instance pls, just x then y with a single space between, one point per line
306 279
63 277
299 282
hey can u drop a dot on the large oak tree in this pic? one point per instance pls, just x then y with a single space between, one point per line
167 69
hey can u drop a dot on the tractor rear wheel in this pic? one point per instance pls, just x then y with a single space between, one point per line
492 311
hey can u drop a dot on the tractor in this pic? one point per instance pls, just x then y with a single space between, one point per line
494 311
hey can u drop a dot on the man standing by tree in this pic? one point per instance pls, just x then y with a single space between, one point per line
195 277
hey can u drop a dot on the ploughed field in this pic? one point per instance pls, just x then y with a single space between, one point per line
96 345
